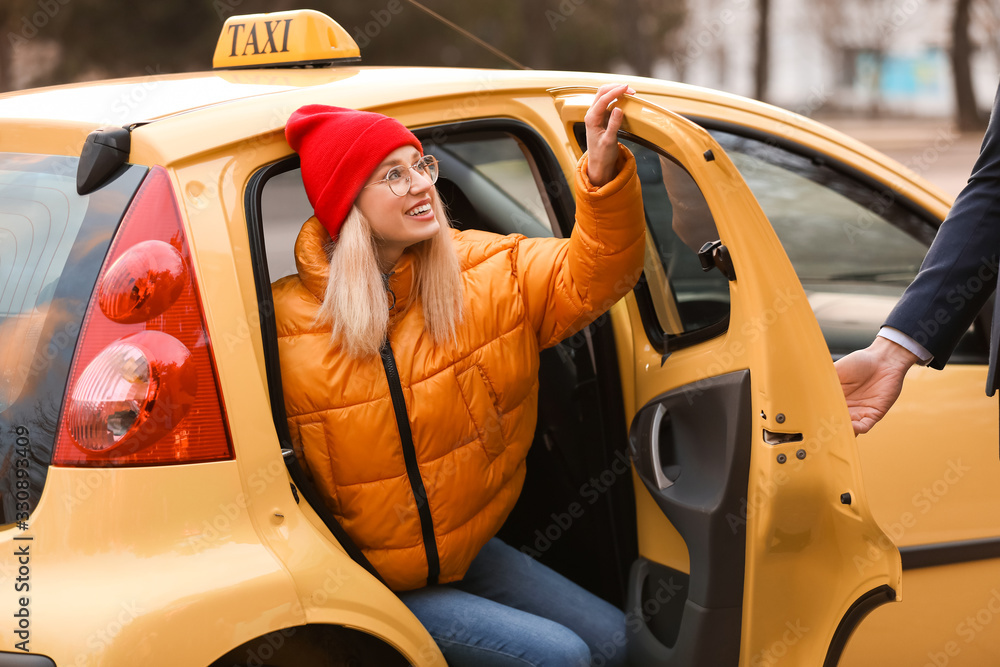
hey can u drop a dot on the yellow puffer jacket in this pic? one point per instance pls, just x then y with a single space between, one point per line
471 406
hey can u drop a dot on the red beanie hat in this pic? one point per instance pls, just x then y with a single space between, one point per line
339 149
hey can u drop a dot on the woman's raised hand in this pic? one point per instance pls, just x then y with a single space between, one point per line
602 122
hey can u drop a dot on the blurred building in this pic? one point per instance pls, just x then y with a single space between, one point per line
856 56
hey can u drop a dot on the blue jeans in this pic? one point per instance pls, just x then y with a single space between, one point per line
510 610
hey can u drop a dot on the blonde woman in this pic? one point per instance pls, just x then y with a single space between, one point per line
409 358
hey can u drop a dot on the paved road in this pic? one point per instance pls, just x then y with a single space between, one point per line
932 148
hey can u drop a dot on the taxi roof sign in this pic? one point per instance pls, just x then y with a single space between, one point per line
283 39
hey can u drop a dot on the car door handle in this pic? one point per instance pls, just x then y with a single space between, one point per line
654 450
655 444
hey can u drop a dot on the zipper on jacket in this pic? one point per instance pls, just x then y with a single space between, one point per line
410 458
388 288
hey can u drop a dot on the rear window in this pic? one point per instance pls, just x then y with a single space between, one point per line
52 245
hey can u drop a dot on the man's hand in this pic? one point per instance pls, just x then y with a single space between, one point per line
872 379
602 125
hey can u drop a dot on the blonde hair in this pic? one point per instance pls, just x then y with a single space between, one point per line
355 305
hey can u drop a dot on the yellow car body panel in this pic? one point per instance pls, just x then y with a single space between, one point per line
948 617
90 557
914 514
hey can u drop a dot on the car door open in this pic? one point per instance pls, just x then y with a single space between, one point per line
755 538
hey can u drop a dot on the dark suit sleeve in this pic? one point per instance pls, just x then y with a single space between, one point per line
960 270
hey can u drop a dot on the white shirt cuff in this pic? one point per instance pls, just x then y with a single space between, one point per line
901 339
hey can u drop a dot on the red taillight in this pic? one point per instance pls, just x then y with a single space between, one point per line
142 389
136 390
143 282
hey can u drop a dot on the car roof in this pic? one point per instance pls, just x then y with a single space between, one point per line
146 98
223 106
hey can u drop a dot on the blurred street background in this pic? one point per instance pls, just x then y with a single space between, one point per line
913 78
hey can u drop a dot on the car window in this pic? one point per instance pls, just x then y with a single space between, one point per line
680 303
284 207
488 181
855 248
678 223
39 221
501 164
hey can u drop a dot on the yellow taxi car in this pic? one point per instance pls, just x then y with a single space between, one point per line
694 459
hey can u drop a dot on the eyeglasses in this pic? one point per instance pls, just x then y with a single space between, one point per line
398 178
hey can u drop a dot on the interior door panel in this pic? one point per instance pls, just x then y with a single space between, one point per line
691 449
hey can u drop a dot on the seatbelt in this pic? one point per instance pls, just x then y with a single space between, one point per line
410 458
